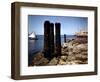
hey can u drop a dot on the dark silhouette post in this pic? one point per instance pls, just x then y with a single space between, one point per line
58 39
64 37
47 51
52 39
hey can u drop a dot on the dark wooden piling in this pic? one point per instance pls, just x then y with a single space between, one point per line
64 37
57 39
52 39
47 51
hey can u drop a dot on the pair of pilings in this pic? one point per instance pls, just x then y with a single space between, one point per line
52 47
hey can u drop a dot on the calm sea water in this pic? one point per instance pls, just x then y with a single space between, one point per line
35 46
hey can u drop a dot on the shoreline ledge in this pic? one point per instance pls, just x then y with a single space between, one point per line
73 51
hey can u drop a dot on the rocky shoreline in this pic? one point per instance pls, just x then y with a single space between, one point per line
73 52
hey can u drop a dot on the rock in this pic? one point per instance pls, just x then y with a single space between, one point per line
81 62
74 62
70 62
54 61
63 58
61 62
71 58
68 40
64 45
82 46
75 44
65 49
82 40
41 62
84 53
64 52
70 46
79 48
38 56
74 53
76 50
81 57
70 53
39 59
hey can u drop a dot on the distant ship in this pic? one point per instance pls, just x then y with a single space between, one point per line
32 36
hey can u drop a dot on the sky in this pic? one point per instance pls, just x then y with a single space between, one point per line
69 25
